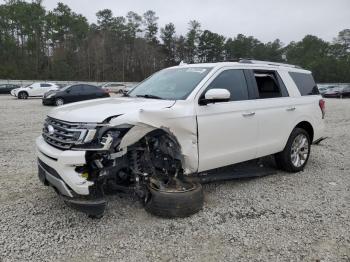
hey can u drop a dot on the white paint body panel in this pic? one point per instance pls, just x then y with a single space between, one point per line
210 136
65 165
225 135
36 90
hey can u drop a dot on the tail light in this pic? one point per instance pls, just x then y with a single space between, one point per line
322 104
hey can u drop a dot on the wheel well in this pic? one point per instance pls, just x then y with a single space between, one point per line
308 128
23 92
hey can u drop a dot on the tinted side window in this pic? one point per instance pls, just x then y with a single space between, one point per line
305 83
45 85
234 81
76 89
89 89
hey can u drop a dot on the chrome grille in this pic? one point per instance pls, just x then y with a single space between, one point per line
63 135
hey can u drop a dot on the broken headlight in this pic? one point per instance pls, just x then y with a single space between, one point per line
104 138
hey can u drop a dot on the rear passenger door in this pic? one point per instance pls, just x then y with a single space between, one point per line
90 92
274 111
227 131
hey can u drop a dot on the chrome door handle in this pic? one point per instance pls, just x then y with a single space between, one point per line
291 109
248 114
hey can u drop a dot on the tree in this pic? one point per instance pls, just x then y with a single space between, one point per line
134 22
151 26
211 47
317 55
180 49
192 40
344 38
105 19
62 45
169 42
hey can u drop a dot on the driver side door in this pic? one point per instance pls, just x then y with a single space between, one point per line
227 131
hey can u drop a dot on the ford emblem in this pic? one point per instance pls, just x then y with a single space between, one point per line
50 129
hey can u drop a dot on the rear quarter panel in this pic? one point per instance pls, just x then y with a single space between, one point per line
307 107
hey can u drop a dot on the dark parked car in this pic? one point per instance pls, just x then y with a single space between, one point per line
7 88
73 93
338 92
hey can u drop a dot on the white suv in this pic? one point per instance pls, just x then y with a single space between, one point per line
183 125
34 90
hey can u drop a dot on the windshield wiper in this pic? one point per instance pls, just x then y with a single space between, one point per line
149 96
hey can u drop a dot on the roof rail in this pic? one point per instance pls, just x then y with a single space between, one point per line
251 61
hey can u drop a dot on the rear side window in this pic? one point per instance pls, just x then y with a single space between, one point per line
45 85
88 88
269 84
305 83
234 81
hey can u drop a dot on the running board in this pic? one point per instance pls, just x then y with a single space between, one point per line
253 168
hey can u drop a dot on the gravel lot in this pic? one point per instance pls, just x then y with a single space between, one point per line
283 217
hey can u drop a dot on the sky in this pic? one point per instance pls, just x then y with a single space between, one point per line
266 20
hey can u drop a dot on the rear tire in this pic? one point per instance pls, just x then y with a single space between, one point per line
296 153
172 204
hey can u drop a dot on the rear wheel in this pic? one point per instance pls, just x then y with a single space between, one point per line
175 199
22 95
59 102
296 153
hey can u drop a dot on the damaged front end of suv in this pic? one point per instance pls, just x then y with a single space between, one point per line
133 153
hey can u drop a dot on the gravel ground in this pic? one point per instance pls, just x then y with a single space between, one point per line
283 217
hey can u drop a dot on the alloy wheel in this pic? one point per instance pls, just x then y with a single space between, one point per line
59 102
300 150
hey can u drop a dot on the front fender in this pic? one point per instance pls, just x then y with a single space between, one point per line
178 124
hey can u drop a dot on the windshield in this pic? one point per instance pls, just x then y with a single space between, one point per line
171 84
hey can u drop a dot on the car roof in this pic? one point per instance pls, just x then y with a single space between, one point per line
249 64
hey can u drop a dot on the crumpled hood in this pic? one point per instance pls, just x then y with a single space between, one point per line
96 111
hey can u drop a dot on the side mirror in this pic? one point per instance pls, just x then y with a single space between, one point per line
215 96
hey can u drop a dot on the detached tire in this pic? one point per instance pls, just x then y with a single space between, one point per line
171 204
296 153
